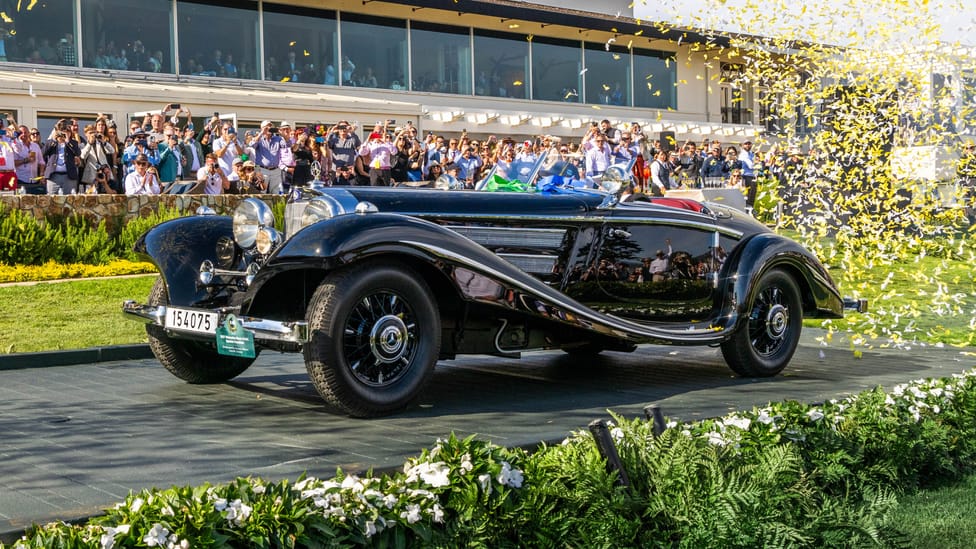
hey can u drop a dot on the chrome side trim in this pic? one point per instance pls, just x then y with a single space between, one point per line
264 330
531 263
703 225
512 236
614 326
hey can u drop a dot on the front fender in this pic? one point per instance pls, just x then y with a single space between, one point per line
178 247
767 251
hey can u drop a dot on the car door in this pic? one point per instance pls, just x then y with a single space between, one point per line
654 269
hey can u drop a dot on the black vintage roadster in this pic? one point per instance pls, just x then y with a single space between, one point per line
375 285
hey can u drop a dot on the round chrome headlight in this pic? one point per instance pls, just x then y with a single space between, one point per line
319 208
614 179
251 215
267 240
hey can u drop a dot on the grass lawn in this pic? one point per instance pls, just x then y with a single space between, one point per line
941 517
70 315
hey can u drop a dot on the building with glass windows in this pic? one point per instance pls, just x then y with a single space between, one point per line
504 67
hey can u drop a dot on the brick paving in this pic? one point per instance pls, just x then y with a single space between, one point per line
77 439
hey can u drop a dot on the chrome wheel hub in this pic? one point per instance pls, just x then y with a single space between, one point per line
388 339
777 320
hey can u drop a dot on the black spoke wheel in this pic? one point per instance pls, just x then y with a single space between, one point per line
191 361
765 345
375 338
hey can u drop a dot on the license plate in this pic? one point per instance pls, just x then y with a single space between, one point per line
191 320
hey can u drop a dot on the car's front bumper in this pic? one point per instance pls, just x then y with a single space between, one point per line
269 333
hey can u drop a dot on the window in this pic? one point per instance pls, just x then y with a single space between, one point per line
557 70
218 38
655 74
501 64
441 57
300 45
374 52
143 43
607 75
735 107
42 33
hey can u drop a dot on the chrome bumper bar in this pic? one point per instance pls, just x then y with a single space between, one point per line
264 330
859 305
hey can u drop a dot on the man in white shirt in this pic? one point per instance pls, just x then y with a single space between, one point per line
213 178
143 179
597 155
227 147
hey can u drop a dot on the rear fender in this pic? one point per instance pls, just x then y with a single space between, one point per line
767 251
178 247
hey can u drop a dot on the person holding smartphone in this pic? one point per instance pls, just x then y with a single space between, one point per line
60 154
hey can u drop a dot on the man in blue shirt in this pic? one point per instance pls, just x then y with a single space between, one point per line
267 155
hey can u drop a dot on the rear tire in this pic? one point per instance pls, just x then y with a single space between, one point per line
375 336
766 343
191 361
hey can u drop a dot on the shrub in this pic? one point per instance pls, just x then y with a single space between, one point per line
787 474
24 240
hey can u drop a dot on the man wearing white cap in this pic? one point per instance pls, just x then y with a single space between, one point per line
287 158
267 156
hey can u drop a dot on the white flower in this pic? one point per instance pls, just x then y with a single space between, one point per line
617 433
107 539
412 514
764 417
716 439
369 529
236 512
936 391
167 511
485 481
437 513
176 543
466 465
815 414
671 424
434 474
509 476
742 423
389 501
157 536
136 505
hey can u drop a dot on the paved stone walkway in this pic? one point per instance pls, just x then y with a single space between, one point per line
77 439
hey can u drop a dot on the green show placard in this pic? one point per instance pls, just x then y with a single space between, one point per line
234 340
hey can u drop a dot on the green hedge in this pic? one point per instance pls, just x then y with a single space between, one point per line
26 240
787 474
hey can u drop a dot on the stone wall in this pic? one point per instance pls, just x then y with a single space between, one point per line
119 209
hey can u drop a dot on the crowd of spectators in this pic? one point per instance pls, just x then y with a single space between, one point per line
165 153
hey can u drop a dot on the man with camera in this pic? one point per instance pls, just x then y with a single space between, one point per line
104 182
227 146
141 144
267 154
62 156
95 153
214 179
344 143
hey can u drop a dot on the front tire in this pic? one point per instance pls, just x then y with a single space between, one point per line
191 361
375 338
765 345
